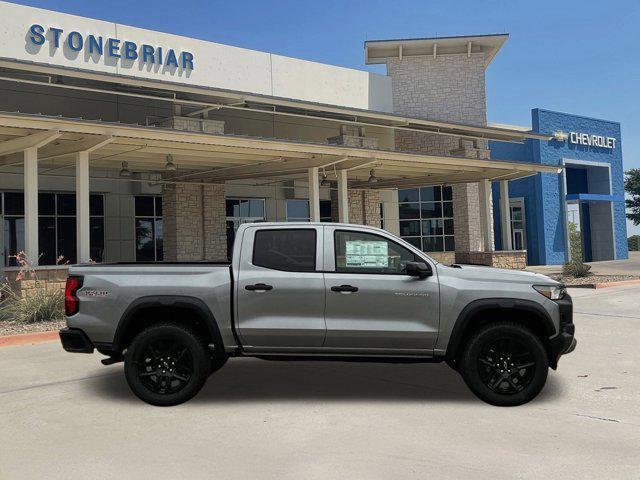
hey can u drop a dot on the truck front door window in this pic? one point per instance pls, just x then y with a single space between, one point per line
367 253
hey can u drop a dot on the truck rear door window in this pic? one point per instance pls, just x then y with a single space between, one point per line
291 250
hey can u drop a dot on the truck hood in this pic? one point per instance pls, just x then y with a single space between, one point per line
473 272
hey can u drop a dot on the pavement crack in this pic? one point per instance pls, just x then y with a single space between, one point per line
597 418
606 315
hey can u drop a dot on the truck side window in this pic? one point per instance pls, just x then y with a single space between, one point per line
287 249
368 253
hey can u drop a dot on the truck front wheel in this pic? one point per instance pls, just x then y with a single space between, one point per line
166 364
505 364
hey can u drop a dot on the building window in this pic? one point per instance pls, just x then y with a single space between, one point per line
298 211
148 223
56 227
239 211
426 218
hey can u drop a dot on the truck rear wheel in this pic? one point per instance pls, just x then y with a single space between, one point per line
505 364
166 364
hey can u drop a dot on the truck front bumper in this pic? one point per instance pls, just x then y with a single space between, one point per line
564 342
75 340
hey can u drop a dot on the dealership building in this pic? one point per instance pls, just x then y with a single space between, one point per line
124 144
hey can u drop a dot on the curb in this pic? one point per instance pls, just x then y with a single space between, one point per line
28 338
606 284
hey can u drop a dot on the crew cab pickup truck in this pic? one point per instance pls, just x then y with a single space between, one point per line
333 291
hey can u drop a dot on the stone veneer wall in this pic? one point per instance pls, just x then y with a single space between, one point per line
448 88
511 259
194 223
52 278
215 223
446 258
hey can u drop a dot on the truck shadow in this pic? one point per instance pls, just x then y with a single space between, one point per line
254 380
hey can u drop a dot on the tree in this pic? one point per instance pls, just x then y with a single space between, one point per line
632 187
634 243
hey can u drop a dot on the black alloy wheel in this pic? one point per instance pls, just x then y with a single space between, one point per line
505 364
167 364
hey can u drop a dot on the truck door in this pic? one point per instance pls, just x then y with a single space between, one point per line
280 288
370 302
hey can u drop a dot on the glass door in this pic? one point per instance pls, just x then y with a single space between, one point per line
518 232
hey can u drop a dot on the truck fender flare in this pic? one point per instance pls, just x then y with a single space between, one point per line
477 306
196 305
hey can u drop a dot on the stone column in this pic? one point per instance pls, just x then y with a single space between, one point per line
364 207
356 212
182 223
466 220
194 221
215 223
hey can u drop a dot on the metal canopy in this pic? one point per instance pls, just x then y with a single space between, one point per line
202 157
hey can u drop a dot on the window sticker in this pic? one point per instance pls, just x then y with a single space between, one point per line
371 254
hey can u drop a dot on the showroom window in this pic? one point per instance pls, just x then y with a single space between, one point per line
148 223
426 218
298 211
239 211
56 227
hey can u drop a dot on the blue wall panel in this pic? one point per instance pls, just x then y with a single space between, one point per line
544 195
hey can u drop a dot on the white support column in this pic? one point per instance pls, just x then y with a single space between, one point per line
82 206
505 215
314 195
485 214
31 205
343 197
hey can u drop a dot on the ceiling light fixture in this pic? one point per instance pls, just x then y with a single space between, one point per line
170 166
124 171
325 181
372 177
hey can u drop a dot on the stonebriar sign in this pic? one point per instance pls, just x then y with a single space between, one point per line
115 48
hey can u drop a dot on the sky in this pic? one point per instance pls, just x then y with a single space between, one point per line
578 57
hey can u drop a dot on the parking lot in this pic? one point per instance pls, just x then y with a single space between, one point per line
67 416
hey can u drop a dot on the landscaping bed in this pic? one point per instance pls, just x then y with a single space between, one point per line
17 328
592 280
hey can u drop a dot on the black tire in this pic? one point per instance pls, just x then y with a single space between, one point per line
505 364
167 364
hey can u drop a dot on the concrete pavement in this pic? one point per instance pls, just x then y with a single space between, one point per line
66 416
631 266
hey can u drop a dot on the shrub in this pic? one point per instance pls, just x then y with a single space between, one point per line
38 304
576 269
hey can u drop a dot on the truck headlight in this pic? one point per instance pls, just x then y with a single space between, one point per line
553 292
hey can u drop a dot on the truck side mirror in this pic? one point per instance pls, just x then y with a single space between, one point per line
418 269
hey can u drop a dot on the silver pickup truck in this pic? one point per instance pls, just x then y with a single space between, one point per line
335 291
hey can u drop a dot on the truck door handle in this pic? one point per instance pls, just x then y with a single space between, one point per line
344 288
258 287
